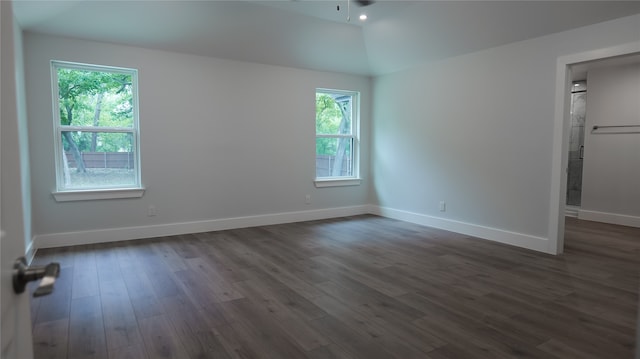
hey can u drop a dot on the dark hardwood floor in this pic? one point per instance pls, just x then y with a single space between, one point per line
358 287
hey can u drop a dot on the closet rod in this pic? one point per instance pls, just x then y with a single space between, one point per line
595 127
615 129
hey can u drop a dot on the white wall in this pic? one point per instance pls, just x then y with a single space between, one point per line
224 139
477 132
15 332
219 139
611 175
23 135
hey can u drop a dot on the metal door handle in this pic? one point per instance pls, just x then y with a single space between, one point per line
23 274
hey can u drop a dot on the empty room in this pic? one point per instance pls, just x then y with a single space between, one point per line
320 179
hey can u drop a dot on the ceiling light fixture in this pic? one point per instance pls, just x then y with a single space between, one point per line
363 17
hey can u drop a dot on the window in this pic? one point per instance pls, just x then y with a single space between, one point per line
336 137
96 131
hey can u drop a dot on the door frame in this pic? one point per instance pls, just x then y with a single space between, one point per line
16 331
562 120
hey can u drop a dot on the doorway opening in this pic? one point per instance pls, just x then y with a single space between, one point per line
578 112
569 68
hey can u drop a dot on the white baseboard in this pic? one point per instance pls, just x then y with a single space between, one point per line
613 218
160 230
30 252
494 234
571 211
128 233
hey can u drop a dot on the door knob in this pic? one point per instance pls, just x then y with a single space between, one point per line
23 274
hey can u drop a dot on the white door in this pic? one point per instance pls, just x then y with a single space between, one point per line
15 315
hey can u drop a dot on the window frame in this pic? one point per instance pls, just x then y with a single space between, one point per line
62 193
354 179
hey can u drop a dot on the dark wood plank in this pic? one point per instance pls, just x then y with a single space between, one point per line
378 334
352 343
85 275
331 351
141 294
222 290
238 346
561 350
276 291
160 339
86 329
267 337
354 287
107 262
121 327
131 352
293 325
50 339
57 305
193 329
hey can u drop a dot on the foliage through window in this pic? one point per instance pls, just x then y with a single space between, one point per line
336 134
96 127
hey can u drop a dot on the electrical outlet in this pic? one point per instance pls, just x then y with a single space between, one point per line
307 199
152 211
443 206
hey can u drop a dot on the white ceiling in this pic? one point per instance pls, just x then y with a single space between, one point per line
313 34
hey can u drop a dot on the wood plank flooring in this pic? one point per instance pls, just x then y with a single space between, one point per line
356 287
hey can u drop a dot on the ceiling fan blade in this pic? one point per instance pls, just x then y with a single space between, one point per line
364 2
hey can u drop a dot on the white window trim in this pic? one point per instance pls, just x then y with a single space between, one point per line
98 194
336 182
63 194
355 180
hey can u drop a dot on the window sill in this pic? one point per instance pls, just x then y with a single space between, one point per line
97 194
337 182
